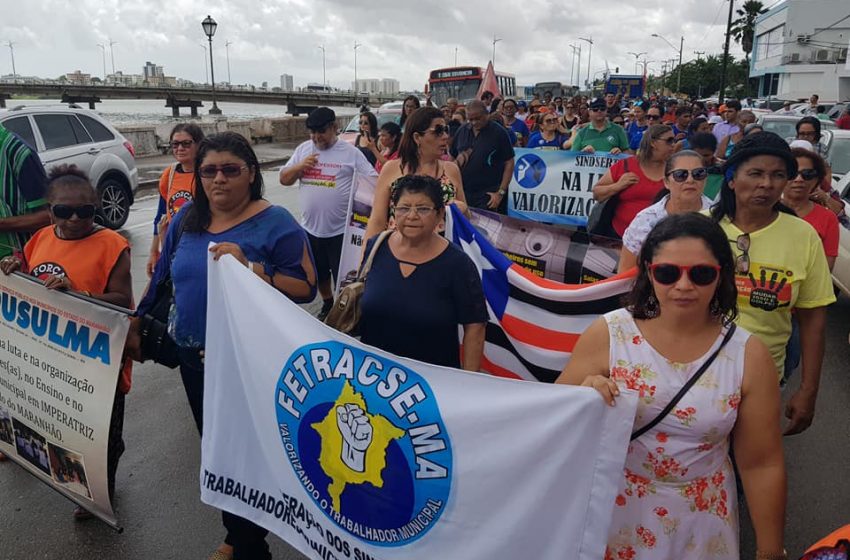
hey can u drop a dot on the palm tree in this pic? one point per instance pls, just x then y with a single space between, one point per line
744 27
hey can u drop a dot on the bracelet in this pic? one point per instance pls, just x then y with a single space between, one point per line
772 555
250 266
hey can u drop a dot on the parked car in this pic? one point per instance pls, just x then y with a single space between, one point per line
785 125
837 110
71 135
838 152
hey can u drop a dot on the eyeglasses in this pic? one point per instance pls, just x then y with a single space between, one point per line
681 175
619 122
807 133
699 274
597 109
550 121
669 140
807 174
64 212
228 170
742 263
182 144
439 130
422 211
653 117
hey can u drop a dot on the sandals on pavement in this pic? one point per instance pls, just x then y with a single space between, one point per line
219 555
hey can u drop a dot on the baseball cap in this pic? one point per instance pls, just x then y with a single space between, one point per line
598 103
320 118
805 144
716 119
522 104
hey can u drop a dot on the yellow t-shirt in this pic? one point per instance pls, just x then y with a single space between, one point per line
787 269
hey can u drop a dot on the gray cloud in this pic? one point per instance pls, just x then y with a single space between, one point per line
403 39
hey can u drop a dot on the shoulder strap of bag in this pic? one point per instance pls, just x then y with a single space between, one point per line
687 387
172 170
368 264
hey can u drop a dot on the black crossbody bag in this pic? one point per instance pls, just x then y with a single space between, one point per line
687 387
156 343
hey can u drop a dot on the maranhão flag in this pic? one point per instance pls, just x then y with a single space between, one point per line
534 322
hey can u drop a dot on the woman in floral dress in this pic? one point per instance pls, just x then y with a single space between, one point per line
678 498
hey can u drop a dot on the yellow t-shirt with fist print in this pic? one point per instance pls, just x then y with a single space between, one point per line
787 269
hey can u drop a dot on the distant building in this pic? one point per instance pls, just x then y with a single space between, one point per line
389 86
151 70
369 85
121 79
78 78
799 49
286 82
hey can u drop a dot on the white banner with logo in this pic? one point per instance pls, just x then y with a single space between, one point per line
348 452
555 186
60 358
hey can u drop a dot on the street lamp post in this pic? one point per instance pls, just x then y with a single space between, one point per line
11 46
637 56
356 87
209 25
679 50
589 54
103 52
206 64
495 40
112 54
324 75
227 52
577 57
726 53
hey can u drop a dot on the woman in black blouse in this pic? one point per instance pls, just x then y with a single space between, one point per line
421 287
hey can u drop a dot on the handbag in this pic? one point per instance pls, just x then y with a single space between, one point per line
686 387
601 219
156 344
344 316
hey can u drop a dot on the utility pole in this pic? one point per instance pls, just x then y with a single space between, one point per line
112 54
227 52
455 56
679 77
495 40
589 54
103 52
699 54
726 52
11 46
324 74
576 49
356 46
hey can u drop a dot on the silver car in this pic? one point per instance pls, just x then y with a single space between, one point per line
70 135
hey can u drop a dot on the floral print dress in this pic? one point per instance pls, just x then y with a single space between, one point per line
678 497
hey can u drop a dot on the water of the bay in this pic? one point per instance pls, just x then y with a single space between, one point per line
153 111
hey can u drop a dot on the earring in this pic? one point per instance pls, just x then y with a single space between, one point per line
652 309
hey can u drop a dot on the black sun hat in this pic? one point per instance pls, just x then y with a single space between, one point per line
761 144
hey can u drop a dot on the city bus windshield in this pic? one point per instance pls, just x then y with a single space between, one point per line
462 90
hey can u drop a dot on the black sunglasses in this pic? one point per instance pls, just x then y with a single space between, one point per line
64 212
808 174
439 130
182 144
228 170
742 263
653 117
699 274
681 175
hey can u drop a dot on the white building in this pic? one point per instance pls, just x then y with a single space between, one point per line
800 48
78 78
287 83
389 86
368 85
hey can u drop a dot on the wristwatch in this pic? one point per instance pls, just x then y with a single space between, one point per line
502 192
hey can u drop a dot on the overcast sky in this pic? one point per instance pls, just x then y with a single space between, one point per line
400 39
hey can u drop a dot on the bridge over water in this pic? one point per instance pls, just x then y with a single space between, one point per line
191 97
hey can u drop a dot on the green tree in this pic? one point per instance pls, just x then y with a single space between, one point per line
743 28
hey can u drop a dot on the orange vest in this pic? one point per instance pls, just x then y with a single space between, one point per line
86 262
832 540
175 191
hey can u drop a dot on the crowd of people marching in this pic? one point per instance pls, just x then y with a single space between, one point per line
732 232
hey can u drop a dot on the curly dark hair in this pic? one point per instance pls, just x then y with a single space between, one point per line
686 226
199 215
68 176
414 184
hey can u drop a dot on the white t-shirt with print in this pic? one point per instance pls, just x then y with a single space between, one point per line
325 189
639 229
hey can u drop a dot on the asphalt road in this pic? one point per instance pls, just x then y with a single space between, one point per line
158 492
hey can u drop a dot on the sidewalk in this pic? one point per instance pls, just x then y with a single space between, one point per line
151 167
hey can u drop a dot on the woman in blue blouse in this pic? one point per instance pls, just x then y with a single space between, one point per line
548 137
231 213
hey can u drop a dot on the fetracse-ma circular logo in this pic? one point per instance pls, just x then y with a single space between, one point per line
530 170
366 440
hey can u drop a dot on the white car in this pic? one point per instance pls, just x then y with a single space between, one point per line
65 134
838 153
841 270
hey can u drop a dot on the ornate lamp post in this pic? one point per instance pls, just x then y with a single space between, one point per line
210 26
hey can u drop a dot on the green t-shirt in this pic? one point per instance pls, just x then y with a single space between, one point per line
605 140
